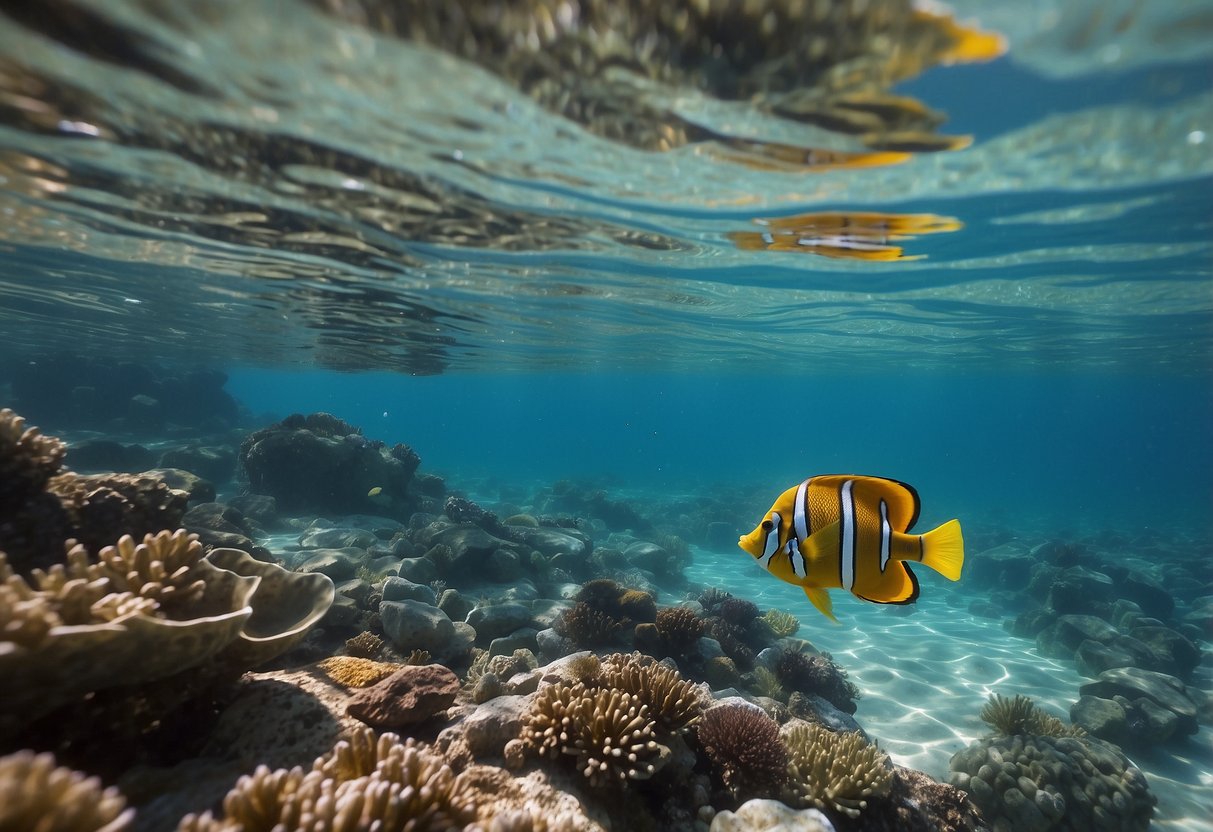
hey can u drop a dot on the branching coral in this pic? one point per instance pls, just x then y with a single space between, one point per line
744 744
364 783
28 459
833 771
782 624
674 703
365 645
608 732
1020 715
38 796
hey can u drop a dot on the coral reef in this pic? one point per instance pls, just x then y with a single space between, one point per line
678 628
365 645
782 624
607 732
144 612
818 675
365 783
837 772
1009 717
38 796
1032 782
28 460
674 703
745 746
357 672
737 611
586 626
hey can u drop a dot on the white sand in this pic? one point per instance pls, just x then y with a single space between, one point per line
926 671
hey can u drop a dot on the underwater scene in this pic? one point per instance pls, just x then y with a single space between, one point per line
562 415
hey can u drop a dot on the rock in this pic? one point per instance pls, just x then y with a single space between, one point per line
488 728
1078 590
411 695
504 566
199 490
356 589
338 564
550 645
104 455
214 464
1103 718
552 542
315 538
1070 631
762 815
1093 658
1134 683
1174 653
1157 724
1150 595
343 612
413 625
418 570
260 508
401 589
1007 567
521 639
454 605
1030 623
498 620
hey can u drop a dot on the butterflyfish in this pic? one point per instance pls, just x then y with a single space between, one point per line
852 532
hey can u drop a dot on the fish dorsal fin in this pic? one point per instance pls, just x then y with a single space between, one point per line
901 499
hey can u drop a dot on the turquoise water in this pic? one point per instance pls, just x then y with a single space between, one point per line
341 218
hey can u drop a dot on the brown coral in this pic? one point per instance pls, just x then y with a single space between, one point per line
38 796
28 459
745 746
365 645
674 703
364 783
832 771
679 627
586 626
102 508
607 732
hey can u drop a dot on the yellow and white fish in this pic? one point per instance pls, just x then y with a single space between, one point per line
852 532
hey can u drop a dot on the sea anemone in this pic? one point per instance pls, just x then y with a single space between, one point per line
744 745
1009 717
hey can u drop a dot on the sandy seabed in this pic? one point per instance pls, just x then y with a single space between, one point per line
925 672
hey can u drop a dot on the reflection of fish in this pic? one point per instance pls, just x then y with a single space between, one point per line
856 236
852 532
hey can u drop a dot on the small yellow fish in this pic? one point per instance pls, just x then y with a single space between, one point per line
852 532
374 492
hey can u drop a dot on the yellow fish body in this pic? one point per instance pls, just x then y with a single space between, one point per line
853 533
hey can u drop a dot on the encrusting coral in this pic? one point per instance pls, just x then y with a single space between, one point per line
1020 715
607 732
833 771
36 795
356 672
745 746
364 783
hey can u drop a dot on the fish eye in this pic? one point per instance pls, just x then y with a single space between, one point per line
767 525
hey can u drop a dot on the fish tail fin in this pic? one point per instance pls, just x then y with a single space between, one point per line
943 549
820 599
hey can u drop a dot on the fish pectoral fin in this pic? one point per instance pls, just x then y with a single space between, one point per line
822 545
943 549
820 599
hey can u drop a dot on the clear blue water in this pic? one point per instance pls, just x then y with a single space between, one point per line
346 221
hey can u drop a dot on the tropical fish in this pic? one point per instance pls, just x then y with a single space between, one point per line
852 532
379 497
375 492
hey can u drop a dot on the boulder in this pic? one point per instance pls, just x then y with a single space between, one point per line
318 538
1103 718
1079 590
1134 683
401 589
498 620
1008 566
411 695
1173 652
1149 594
216 464
413 625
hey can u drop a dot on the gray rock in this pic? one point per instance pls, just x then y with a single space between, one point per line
1150 595
551 542
1078 590
418 570
316 538
1157 724
413 625
356 589
454 605
261 508
343 612
504 565
1007 566
1103 718
1134 683
521 639
488 728
544 612
401 589
498 620
1093 658
1070 631
1174 653
338 564
551 645
710 648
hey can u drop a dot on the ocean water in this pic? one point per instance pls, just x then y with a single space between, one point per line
540 261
